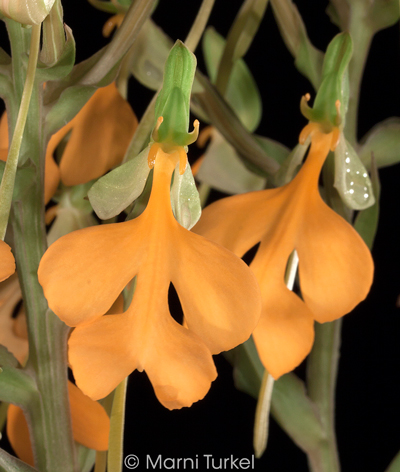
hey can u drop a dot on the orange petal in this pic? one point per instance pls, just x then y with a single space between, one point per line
179 365
335 266
239 222
219 294
100 136
285 334
7 266
90 422
102 354
83 273
18 434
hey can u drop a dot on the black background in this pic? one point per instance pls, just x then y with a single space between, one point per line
368 391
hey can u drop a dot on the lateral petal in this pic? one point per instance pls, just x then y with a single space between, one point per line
102 354
83 272
219 294
285 334
335 266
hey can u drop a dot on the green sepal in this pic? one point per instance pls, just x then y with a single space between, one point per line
116 190
185 200
9 463
148 55
222 169
16 386
334 84
242 92
64 63
173 101
351 177
366 222
383 142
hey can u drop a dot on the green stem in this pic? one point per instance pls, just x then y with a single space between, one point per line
394 466
322 369
7 183
199 24
48 415
240 36
361 35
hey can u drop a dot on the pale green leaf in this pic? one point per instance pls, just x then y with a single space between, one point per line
223 169
383 141
291 164
115 191
148 55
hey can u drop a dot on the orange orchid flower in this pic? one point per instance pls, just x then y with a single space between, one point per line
335 265
83 273
100 134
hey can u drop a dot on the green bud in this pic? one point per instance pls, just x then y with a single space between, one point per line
173 101
331 101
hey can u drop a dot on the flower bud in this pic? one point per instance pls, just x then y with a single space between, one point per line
27 12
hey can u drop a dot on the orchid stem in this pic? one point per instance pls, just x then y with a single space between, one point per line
199 24
361 35
322 369
8 180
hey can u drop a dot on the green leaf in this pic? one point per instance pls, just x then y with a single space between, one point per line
223 169
383 142
63 64
351 177
366 222
116 190
308 59
16 386
105 6
277 151
86 458
148 55
185 198
9 463
242 93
